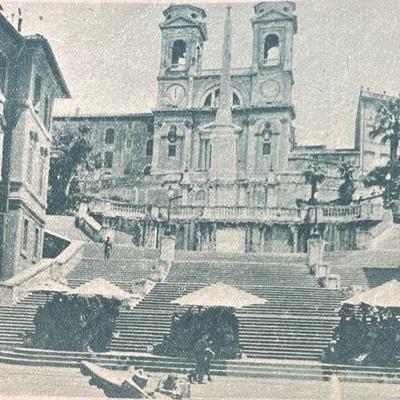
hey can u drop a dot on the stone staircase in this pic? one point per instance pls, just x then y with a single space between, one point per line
282 338
295 323
389 239
15 320
368 268
127 265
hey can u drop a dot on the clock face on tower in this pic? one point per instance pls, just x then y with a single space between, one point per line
270 89
175 94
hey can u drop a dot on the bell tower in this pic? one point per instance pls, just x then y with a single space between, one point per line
183 34
274 26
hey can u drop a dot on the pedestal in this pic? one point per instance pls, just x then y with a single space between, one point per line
168 248
315 253
321 270
331 281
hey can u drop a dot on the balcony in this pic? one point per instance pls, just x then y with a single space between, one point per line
364 211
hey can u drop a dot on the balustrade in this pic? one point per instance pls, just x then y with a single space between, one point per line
237 214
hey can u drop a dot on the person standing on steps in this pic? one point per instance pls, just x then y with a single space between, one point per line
208 355
107 248
200 349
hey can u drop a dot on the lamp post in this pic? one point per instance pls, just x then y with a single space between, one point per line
171 198
315 231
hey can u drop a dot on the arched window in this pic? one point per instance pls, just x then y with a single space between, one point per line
208 100
172 141
266 137
235 99
149 148
178 60
271 50
211 99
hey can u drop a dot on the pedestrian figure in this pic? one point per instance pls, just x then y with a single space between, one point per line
208 355
107 248
201 350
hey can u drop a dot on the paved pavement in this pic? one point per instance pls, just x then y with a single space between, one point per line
42 382
20 382
282 389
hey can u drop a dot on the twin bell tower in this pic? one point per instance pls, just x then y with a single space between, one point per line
220 115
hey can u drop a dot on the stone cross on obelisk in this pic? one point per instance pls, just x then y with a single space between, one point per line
223 133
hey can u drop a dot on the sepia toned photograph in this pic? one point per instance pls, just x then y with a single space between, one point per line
200 200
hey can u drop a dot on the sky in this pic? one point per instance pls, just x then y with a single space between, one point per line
109 54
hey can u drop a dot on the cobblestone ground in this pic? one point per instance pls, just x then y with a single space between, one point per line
19 382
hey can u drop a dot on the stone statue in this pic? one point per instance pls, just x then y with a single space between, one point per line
267 132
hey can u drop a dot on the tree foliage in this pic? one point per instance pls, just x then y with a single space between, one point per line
347 187
377 177
314 176
71 154
387 178
73 323
387 127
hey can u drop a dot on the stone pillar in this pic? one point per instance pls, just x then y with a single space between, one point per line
315 253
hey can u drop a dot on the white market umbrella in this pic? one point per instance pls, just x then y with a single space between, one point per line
386 296
219 295
101 287
50 286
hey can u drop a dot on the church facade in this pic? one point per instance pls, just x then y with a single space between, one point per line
221 144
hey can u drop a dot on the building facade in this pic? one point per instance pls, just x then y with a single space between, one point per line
222 144
373 152
30 80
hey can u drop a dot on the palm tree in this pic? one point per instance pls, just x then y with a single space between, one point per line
387 127
314 176
347 188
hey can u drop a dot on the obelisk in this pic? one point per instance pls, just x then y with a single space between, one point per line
224 112
223 133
